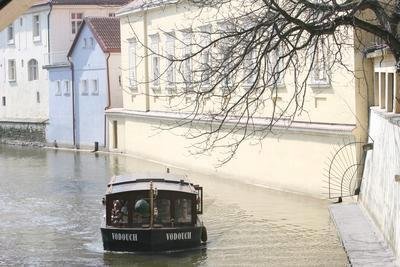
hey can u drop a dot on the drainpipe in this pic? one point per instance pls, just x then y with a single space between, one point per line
73 101
146 63
108 100
48 31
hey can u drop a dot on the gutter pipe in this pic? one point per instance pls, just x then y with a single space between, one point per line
73 102
108 100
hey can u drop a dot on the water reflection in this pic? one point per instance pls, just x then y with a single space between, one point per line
51 213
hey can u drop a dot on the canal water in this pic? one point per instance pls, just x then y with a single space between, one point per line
51 212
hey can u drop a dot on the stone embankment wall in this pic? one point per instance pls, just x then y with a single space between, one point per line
380 189
23 133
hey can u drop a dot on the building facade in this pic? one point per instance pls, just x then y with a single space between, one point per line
81 91
39 37
149 106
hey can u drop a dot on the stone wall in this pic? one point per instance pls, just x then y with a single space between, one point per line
23 133
380 192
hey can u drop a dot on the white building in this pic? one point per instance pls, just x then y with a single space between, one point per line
39 37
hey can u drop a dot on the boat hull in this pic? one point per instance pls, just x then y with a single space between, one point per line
146 239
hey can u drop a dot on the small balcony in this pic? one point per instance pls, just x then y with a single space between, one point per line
55 58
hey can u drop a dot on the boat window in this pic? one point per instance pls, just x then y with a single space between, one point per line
162 211
141 212
119 213
183 210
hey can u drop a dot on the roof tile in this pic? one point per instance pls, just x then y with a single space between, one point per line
107 32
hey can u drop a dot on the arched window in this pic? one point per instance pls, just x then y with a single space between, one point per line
33 70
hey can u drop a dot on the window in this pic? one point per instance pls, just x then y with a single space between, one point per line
67 90
91 42
170 54
119 213
163 210
76 21
111 14
37 97
95 87
36 27
155 60
58 88
183 211
187 63
320 66
276 67
12 73
226 58
84 87
84 45
141 212
3 101
250 68
205 56
33 70
21 21
132 65
10 34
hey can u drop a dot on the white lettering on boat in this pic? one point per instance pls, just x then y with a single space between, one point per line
179 236
124 237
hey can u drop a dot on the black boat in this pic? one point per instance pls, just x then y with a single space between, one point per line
150 212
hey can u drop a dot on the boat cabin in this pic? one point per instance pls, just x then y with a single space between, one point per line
149 201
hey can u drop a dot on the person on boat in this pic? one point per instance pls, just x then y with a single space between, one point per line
116 212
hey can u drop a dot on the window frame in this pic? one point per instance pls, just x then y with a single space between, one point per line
36 25
84 87
12 70
94 86
11 31
58 91
67 87
320 77
75 22
170 48
132 65
33 70
155 61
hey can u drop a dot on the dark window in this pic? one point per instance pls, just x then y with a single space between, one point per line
162 211
37 97
183 210
3 100
141 212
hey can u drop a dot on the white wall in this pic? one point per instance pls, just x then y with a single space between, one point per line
21 96
380 193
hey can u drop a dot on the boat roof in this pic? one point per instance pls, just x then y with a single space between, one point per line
141 182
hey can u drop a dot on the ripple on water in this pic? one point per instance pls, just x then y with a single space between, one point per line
51 215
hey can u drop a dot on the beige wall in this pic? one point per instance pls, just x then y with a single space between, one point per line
61 36
114 75
290 160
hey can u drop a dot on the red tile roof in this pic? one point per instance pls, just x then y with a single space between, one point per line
106 31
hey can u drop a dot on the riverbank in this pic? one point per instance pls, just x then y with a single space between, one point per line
361 239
